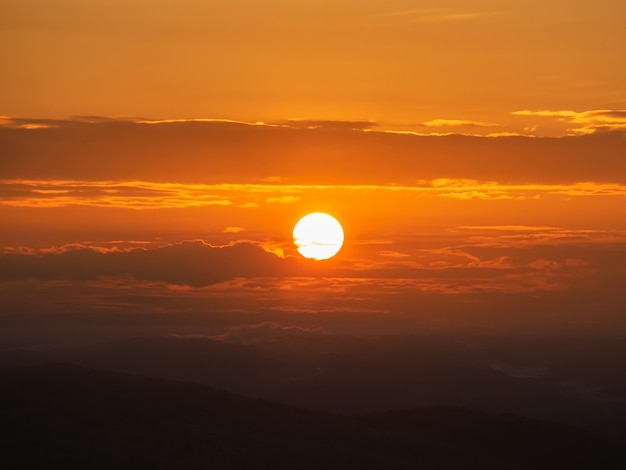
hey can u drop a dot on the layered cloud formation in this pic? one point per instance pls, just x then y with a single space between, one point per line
124 218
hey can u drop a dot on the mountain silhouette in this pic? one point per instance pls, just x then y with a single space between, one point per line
569 380
65 416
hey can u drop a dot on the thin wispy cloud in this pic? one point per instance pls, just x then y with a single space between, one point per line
325 124
583 122
457 123
142 195
234 229
282 200
296 123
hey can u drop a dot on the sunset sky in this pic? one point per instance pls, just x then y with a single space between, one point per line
155 156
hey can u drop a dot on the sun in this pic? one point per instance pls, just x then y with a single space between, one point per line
318 236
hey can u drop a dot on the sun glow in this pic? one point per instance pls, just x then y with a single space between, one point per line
318 236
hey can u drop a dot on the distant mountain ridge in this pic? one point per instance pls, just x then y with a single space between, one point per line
63 416
566 380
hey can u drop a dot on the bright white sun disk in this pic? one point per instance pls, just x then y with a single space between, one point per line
318 236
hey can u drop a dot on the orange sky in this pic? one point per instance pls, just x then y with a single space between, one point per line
194 218
156 155
423 66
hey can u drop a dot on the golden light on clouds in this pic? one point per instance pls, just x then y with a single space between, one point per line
319 74
319 203
140 195
583 122
234 230
494 164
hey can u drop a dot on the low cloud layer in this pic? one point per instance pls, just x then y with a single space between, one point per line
584 122
533 275
140 195
194 263
122 218
211 152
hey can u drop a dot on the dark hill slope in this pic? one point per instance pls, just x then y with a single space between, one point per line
60 416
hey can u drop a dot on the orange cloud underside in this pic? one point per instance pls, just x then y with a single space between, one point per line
473 272
197 217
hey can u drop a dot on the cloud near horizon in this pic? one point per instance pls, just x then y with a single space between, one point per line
194 263
497 271
146 195
119 217
457 123
586 122
212 152
486 252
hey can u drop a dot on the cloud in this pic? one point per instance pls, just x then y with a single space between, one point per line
77 121
393 254
282 200
480 195
198 264
199 120
545 113
150 195
491 273
118 194
168 152
457 122
326 124
587 122
193 263
509 134
28 123
234 229
510 228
